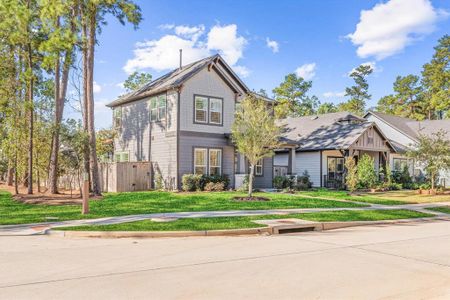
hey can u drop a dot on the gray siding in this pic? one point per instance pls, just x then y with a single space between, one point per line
188 141
206 83
265 181
137 131
309 161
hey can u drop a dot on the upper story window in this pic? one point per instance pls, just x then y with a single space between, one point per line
117 117
208 110
158 108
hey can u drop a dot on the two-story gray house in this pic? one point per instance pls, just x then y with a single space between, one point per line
181 123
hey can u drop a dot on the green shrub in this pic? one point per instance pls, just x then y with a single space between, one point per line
191 182
403 177
281 182
351 179
367 177
205 179
159 182
214 187
304 182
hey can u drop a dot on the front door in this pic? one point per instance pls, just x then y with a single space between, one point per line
335 167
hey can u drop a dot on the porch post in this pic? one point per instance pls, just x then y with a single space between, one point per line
291 161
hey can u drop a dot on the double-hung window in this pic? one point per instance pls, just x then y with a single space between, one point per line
121 156
201 109
215 161
207 161
259 168
215 111
208 110
117 118
200 160
158 108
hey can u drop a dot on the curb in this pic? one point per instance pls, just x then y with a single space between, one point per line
159 234
318 226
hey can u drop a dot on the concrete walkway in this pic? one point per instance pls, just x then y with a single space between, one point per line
41 228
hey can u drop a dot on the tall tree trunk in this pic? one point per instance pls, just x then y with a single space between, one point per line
30 119
86 163
10 179
250 180
53 166
96 189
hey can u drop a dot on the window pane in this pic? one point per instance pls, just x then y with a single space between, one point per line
162 107
200 161
215 161
153 103
201 107
259 167
340 165
215 110
154 114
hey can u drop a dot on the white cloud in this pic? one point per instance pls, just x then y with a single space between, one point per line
334 94
166 26
389 27
306 71
242 71
272 45
225 40
120 85
163 54
373 65
97 88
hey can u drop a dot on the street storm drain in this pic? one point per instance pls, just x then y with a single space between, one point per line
295 229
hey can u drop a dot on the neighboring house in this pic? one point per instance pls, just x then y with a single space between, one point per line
403 133
181 122
323 142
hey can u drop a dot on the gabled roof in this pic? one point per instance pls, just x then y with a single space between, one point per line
325 132
397 122
177 77
412 128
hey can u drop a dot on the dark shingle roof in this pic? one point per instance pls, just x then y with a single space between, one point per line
328 131
171 80
413 128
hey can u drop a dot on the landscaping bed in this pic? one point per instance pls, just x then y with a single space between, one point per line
123 204
221 223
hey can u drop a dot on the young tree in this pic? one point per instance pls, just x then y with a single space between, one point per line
367 177
136 80
255 133
436 79
351 178
292 99
433 152
359 92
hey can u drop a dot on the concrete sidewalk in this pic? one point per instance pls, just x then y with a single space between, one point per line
41 228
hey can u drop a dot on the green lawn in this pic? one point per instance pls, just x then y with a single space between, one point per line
121 204
362 197
442 209
246 222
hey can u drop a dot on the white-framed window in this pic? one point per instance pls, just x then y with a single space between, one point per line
158 108
200 161
259 168
215 161
215 111
208 110
122 156
117 120
201 109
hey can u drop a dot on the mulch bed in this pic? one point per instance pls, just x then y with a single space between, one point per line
251 199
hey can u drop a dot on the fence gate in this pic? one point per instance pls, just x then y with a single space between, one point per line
125 176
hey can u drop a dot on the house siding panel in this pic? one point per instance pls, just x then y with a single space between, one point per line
206 83
309 161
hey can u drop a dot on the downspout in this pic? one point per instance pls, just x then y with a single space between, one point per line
178 139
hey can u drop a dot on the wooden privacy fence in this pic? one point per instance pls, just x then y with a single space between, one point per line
125 176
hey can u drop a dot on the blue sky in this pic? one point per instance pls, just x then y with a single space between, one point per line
265 40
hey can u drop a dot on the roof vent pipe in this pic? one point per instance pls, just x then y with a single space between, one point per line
181 59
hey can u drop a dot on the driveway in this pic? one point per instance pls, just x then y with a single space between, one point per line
396 261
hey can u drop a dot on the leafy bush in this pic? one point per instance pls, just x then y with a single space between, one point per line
403 177
191 182
205 179
351 180
281 182
367 177
159 182
304 182
214 187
